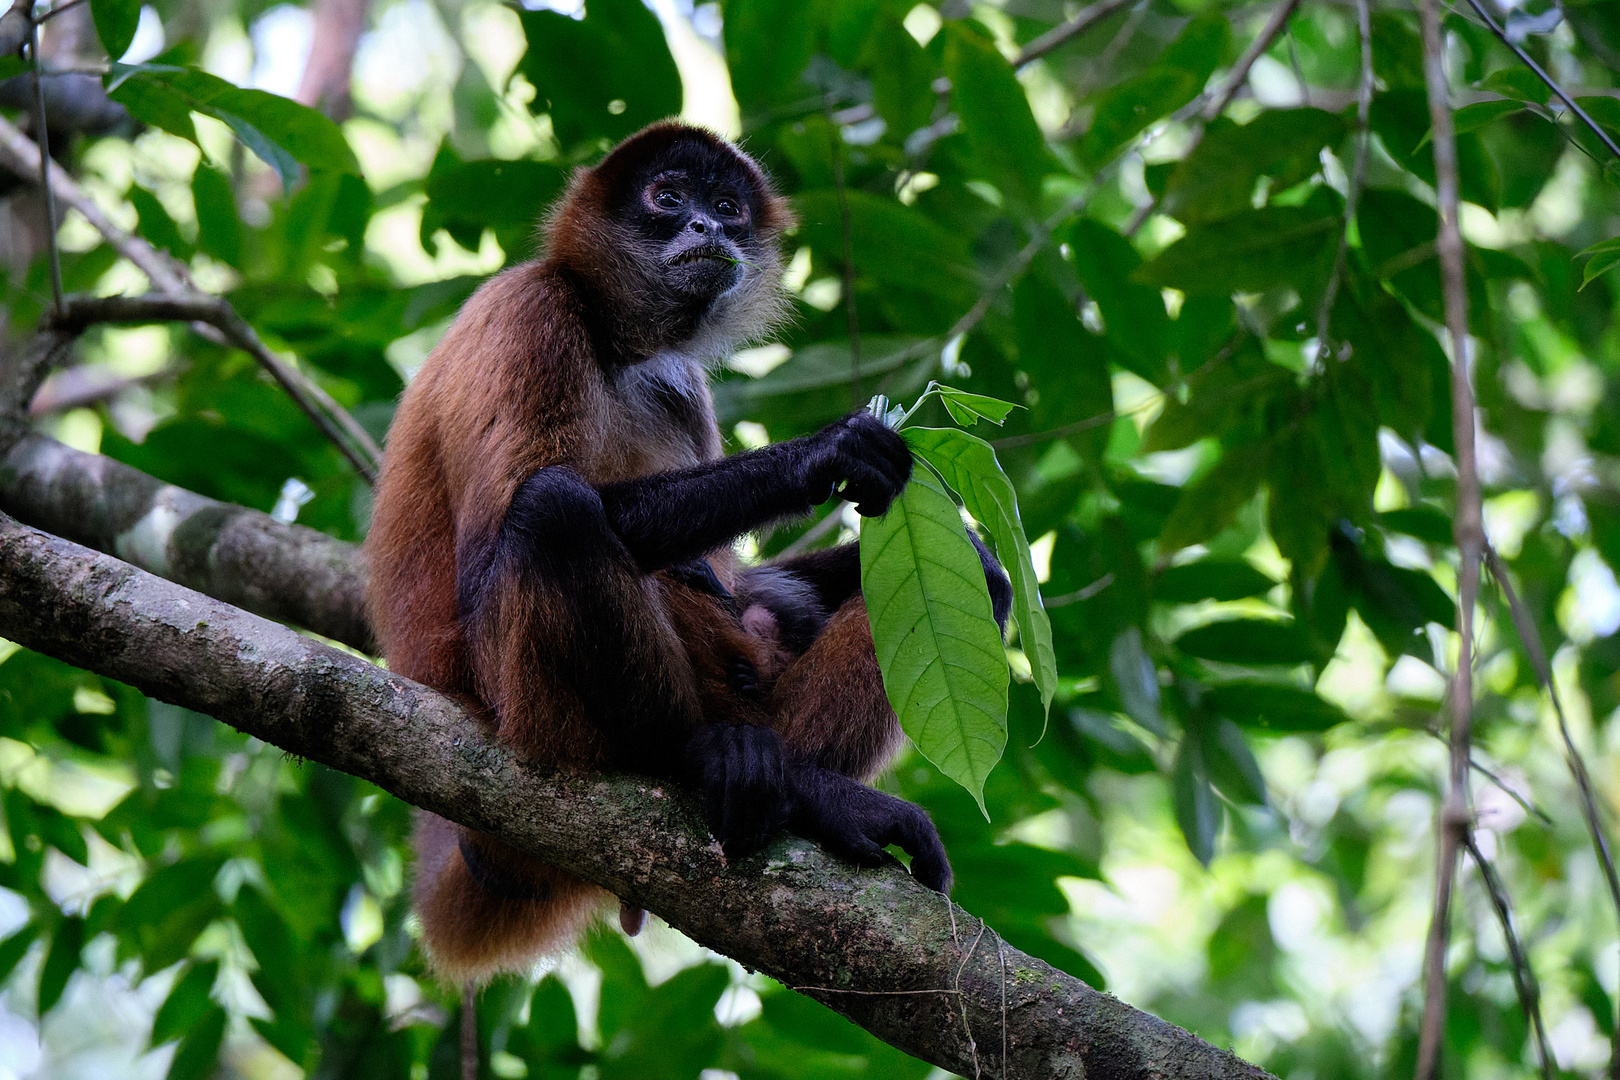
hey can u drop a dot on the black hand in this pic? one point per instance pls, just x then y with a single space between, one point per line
856 822
871 461
740 769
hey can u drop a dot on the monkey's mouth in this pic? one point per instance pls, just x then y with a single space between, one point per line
708 252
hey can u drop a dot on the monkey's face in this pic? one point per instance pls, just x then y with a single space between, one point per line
700 224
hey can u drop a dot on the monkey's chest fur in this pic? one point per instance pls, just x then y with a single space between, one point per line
659 416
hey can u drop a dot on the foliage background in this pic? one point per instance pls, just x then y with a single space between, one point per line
1228 819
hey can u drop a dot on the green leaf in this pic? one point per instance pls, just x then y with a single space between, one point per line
1133 313
1197 811
1251 252
943 663
280 131
187 1005
1604 256
969 467
1475 116
1272 706
153 102
116 21
1218 178
1247 641
1210 579
1231 764
603 76
198 1052
60 962
968 409
1517 82
15 947
1005 144
219 226
1424 522
1208 504
155 225
1136 680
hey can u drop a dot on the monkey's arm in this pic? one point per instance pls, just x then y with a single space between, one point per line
675 516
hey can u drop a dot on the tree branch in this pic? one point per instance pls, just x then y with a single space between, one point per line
1058 35
75 314
873 945
284 572
1469 530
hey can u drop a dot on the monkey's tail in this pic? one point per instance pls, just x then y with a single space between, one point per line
501 913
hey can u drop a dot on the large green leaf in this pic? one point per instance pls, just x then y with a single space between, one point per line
1005 142
1272 706
116 21
1250 252
283 133
1247 641
603 76
944 667
969 467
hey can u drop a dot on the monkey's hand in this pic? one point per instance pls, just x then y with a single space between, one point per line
871 461
855 821
740 769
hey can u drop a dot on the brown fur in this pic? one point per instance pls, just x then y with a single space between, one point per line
523 381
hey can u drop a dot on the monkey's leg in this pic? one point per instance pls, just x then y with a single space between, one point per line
833 715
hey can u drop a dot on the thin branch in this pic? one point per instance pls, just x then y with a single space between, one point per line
1085 593
49 200
57 10
1358 175
1059 35
1530 638
1530 62
827 923
828 523
1524 976
166 275
277 570
1206 107
80 312
1469 531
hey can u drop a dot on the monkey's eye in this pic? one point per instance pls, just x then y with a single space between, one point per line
667 199
728 207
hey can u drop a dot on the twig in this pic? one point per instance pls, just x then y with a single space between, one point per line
1080 594
1058 35
469 1031
1524 976
1529 61
1469 531
833 141
80 312
1358 175
57 10
830 522
1530 638
1215 104
49 201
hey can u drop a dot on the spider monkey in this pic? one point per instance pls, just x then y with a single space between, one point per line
552 535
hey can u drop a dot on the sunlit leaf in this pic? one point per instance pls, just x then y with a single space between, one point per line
943 665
